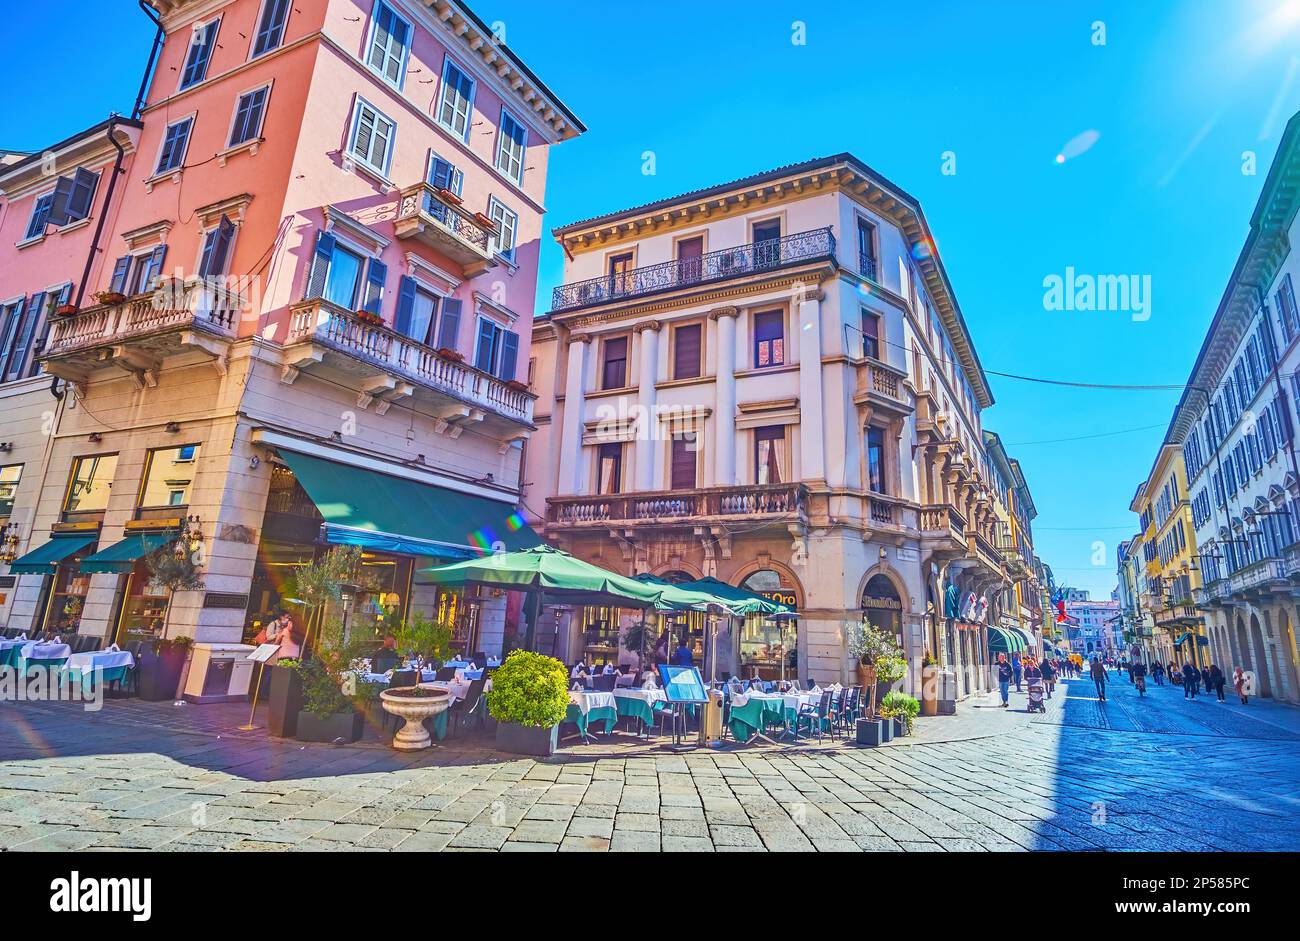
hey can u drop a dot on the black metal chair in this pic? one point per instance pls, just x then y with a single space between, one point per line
463 710
604 683
444 674
480 659
384 659
404 678
814 716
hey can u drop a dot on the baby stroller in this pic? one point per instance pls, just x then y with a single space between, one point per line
1036 692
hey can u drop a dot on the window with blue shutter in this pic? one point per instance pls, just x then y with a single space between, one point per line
390 37
457 100
248 116
121 268
372 137
175 143
270 29
444 175
153 266
216 249
23 337
512 138
485 347
202 40
449 331
405 307
40 215
508 366
11 319
376 275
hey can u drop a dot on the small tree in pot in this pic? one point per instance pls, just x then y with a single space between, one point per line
869 645
173 567
529 697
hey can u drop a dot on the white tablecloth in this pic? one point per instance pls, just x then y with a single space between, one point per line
100 660
649 696
589 701
455 688
6 644
34 651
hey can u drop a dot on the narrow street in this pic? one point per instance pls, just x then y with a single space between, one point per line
1135 773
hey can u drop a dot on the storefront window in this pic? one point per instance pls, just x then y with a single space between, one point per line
600 632
68 597
90 485
144 610
9 477
169 477
882 608
769 647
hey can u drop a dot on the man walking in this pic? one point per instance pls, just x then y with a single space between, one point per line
1016 671
1004 678
1217 680
1049 676
1098 671
1191 680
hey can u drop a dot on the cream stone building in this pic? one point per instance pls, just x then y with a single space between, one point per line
770 382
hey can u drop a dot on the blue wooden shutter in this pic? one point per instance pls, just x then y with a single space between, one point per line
320 265
483 349
83 194
405 306
509 355
120 270
23 338
442 174
216 249
155 265
376 275
59 214
9 335
271 30
449 333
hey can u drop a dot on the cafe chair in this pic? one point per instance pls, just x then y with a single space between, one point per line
464 712
404 678
813 716
604 684
480 659
444 674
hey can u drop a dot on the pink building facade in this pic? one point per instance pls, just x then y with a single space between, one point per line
307 317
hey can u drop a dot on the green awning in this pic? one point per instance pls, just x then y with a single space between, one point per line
392 514
118 558
43 559
1004 641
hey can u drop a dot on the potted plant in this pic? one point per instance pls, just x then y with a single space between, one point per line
869 645
870 731
370 317
285 699
516 385
889 670
452 355
66 310
327 715
160 666
486 221
415 704
929 684
529 697
902 708
110 297
447 196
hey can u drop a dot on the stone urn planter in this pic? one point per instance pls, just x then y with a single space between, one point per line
414 704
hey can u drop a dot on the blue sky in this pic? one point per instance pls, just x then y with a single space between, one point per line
1178 92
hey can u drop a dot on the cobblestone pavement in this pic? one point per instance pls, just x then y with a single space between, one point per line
1155 773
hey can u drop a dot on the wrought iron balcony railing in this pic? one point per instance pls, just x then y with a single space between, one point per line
775 500
867 265
715 266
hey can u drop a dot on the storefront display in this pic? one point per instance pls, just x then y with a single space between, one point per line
882 608
769 647
144 610
68 597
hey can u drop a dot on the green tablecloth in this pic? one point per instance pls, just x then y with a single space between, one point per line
439 724
87 679
636 708
754 716
32 666
9 657
606 714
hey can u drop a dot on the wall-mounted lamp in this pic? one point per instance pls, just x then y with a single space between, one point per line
96 437
171 428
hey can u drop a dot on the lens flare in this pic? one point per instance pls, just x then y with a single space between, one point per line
1078 145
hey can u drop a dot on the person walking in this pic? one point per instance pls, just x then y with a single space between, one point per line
1191 680
1098 671
1205 679
1158 672
1217 680
1130 670
1017 671
1004 678
1139 673
1239 684
1049 676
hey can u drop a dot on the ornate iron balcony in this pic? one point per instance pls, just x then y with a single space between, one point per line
715 266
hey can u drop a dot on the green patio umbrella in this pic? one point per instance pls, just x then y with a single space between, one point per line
740 601
679 596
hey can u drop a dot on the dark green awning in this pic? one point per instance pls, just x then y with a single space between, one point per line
43 559
1004 641
121 556
391 514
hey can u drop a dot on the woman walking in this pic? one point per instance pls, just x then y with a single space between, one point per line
1239 684
1217 680
1004 678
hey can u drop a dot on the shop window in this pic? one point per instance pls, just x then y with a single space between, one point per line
769 646
9 478
168 478
90 485
144 608
68 597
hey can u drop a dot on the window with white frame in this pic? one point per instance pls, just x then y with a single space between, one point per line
507 223
512 140
372 137
345 275
249 112
176 141
270 26
496 350
216 249
202 41
390 44
456 101
40 215
70 201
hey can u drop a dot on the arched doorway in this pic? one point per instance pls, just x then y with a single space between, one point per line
1243 647
769 647
882 607
1286 637
1259 656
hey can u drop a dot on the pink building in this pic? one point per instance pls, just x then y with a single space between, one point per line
305 321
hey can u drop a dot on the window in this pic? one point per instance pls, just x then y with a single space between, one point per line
682 461
620 273
336 275
216 249
690 259
867 249
767 243
769 339
70 201
390 38
176 141
90 484
417 312
876 460
270 28
11 324
457 100
134 274
344 277
9 477
512 139
168 477
609 468
248 116
1287 314
871 335
40 215
769 454
497 351
507 222
686 351
444 175
372 137
613 363
202 40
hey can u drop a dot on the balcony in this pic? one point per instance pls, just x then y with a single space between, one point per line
867 266
425 215
1018 566
755 258
1180 614
779 503
880 387
982 550
1260 579
943 530
139 332
384 366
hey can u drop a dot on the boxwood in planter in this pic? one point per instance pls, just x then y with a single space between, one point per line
529 697
327 715
160 666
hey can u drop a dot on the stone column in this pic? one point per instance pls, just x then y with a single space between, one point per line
724 411
570 481
812 433
647 432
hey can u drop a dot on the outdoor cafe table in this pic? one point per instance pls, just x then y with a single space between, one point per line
113 663
753 712
638 703
9 651
47 655
586 708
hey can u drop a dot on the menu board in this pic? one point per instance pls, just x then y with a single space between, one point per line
682 684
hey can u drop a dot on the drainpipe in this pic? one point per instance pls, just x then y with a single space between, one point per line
153 57
103 216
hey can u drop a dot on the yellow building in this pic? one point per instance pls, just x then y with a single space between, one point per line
1169 555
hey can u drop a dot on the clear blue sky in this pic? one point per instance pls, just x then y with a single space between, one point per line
1180 89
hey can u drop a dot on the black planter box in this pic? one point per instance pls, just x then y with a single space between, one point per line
285 702
886 730
159 673
900 727
341 725
870 732
527 740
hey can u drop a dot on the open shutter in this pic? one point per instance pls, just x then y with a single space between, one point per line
155 269
216 249
376 275
405 306
59 214
442 174
83 194
23 339
483 347
121 268
8 333
320 265
449 334
509 355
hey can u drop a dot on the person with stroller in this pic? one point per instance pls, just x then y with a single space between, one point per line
1034 681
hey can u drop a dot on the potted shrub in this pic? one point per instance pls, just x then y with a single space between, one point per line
869 645
529 697
889 670
66 310
929 684
327 714
871 731
516 385
447 196
110 297
370 318
160 667
452 355
902 708
285 699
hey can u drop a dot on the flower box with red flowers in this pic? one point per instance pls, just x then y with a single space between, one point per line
451 355
370 318
485 221
447 196
66 310
110 297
